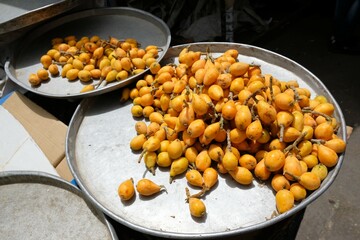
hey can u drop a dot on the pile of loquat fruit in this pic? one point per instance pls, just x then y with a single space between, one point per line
208 116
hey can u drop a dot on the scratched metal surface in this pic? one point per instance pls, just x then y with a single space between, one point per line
37 205
99 156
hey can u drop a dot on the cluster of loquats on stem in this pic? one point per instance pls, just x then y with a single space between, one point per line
94 58
209 116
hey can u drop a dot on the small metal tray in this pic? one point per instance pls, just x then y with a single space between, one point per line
99 156
104 22
37 205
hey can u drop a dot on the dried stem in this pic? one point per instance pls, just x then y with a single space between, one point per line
196 195
281 132
318 141
253 95
141 155
296 94
307 110
228 140
271 89
295 143
231 95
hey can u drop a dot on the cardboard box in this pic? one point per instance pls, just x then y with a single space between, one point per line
64 171
46 130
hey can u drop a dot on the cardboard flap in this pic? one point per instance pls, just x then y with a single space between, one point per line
47 131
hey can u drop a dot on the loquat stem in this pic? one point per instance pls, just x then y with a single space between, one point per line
196 195
318 141
154 83
271 89
228 140
295 143
186 104
196 88
208 55
99 83
153 90
200 87
254 116
167 131
215 115
163 188
199 194
231 95
188 90
235 97
296 94
221 122
159 110
110 44
63 53
141 155
60 63
253 95
192 166
103 43
307 110
281 132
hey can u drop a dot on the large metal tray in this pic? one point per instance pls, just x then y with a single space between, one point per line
104 22
99 156
16 15
37 205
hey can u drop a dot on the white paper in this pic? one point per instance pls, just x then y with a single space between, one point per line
18 151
